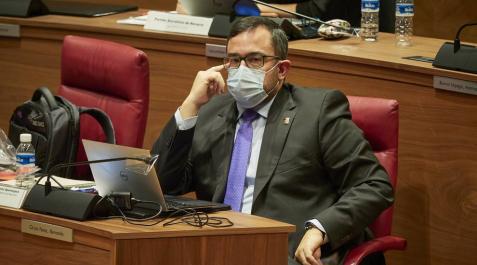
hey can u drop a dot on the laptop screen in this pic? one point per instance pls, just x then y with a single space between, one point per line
123 176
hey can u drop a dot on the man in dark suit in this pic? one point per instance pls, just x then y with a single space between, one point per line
307 163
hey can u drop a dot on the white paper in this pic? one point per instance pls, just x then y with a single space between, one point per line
12 196
140 20
66 183
178 23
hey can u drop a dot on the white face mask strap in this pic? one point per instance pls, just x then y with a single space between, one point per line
275 87
278 81
273 67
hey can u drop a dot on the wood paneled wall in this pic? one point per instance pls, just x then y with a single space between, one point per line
442 18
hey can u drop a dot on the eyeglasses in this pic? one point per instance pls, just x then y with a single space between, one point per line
252 60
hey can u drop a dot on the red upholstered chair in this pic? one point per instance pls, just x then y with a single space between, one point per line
379 120
110 76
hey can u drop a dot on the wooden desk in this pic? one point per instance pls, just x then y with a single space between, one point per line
251 240
436 198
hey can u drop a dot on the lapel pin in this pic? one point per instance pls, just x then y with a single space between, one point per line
286 120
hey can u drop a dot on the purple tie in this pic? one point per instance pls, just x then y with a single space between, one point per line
239 161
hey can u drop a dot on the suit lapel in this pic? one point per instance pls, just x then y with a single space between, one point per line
279 122
224 127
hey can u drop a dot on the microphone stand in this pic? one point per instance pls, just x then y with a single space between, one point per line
319 21
72 204
454 56
457 36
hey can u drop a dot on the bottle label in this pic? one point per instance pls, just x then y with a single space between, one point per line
25 159
369 5
405 10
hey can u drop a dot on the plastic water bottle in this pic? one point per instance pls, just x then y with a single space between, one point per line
404 24
25 158
369 20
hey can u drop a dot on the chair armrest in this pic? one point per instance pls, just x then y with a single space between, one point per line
381 244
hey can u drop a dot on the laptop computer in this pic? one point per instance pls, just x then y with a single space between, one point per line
81 9
138 178
207 8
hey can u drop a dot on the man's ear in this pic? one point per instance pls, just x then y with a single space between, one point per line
283 69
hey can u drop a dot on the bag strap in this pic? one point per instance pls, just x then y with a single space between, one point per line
103 120
44 92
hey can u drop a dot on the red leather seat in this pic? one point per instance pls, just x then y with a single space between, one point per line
110 76
379 120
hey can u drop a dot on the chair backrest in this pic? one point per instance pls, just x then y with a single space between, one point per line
379 120
111 76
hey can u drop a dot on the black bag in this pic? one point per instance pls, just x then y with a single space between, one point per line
54 124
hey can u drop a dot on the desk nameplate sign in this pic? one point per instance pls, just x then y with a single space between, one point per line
12 196
47 230
456 85
215 50
177 23
9 30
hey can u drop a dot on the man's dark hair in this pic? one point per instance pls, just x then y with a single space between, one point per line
279 38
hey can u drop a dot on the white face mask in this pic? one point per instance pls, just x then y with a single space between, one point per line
246 86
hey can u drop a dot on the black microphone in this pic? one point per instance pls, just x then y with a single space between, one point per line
457 56
457 36
70 204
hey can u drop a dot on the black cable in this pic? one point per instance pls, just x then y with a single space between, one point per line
136 221
47 180
187 216
131 220
200 219
457 36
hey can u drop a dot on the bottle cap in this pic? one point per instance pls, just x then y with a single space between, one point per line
25 137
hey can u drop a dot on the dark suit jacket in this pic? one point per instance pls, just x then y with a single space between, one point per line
317 165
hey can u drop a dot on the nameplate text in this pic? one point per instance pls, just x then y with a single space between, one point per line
12 196
215 50
177 23
456 85
47 230
9 30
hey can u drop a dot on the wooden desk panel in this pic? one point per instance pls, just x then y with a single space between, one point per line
435 200
114 242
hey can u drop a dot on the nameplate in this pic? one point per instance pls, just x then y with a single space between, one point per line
215 51
456 85
9 30
177 23
47 230
12 196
